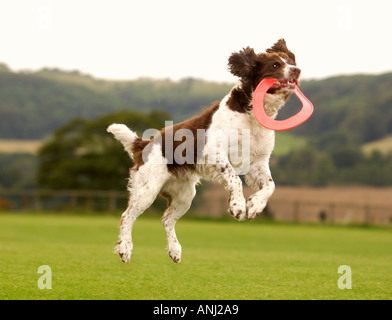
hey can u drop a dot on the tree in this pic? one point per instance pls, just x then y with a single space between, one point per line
83 155
17 171
305 166
346 157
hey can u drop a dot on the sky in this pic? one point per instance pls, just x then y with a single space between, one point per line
124 40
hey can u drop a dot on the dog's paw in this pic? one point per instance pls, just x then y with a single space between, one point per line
238 208
254 207
124 250
174 252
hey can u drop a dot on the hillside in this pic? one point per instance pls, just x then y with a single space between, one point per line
383 145
348 109
33 105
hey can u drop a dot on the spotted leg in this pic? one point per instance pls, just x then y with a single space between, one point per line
179 194
259 178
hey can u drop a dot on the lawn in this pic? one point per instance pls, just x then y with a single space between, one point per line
221 260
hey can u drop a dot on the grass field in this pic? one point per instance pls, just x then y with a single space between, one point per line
221 260
384 145
19 146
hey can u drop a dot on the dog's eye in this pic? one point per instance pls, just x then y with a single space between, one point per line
276 65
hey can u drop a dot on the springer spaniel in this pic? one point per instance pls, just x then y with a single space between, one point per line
206 146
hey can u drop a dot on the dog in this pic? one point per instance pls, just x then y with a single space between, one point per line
157 170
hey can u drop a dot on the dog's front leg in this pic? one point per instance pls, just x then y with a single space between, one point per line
223 172
259 178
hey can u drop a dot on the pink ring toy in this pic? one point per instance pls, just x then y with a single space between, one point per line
279 125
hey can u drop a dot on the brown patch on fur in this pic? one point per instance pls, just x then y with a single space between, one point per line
201 121
121 220
137 150
167 196
281 47
251 68
239 101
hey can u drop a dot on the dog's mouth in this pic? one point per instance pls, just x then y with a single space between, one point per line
285 84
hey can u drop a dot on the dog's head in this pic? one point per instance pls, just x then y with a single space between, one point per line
277 62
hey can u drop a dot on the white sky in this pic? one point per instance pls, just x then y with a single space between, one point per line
119 39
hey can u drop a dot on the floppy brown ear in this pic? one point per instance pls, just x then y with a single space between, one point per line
279 46
243 63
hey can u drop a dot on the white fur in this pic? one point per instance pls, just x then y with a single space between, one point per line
153 176
122 133
262 143
287 68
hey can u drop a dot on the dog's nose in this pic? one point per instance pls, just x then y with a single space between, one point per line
295 72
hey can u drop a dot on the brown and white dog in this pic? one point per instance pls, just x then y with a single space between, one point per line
175 159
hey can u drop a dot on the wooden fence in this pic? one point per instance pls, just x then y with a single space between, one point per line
62 200
114 201
331 212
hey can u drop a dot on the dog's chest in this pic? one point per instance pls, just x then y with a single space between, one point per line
261 140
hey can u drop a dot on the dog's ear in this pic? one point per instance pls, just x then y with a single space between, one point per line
243 63
280 46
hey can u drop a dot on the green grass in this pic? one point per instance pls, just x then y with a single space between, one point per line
221 260
384 145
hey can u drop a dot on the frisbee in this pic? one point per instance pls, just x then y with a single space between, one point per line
279 125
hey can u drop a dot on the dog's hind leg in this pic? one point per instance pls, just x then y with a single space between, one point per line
144 186
179 195
124 245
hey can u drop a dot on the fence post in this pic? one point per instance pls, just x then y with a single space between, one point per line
37 202
367 215
332 213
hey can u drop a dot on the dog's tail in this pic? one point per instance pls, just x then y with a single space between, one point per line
123 134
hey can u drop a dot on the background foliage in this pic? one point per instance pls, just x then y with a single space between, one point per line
82 155
346 141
